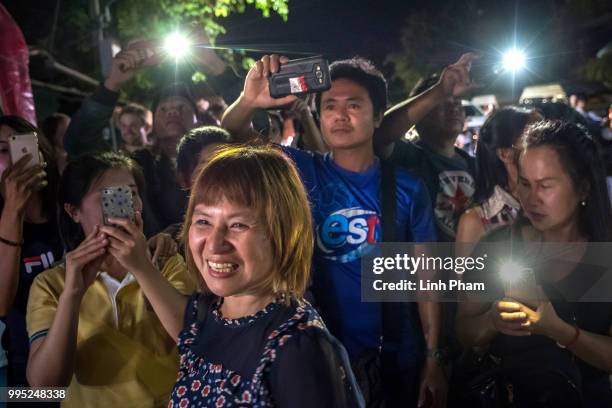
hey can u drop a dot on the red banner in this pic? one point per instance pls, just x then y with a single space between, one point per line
15 87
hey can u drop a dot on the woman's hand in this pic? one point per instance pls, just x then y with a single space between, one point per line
162 246
83 263
544 319
510 318
19 183
128 246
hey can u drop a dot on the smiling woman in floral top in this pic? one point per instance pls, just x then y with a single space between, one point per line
248 337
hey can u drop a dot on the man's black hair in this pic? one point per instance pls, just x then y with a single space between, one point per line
364 73
177 89
190 146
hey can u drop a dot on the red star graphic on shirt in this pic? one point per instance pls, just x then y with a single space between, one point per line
459 200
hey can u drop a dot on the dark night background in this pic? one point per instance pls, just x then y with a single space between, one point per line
558 36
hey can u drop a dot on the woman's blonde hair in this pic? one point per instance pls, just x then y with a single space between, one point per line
264 179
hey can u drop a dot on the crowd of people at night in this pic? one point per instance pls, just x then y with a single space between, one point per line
236 282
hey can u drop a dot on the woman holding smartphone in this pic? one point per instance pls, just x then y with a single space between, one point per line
497 182
91 328
248 338
554 350
29 241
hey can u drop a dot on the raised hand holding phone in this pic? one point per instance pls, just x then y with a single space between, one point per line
128 244
117 202
24 177
127 62
256 93
21 145
300 77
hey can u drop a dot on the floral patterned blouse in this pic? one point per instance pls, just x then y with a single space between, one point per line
282 356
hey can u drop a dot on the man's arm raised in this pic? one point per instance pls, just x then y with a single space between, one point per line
255 95
454 81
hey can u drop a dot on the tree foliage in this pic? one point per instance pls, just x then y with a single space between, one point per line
71 39
147 18
156 18
556 35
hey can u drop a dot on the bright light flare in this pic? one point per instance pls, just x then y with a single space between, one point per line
514 60
511 272
177 45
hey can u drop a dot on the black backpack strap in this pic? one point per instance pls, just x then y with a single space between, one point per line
388 201
390 310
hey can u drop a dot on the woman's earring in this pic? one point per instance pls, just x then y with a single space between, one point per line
583 203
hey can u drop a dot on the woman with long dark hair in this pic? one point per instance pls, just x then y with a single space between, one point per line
29 242
495 197
90 327
553 349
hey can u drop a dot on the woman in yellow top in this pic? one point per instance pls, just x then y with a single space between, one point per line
90 325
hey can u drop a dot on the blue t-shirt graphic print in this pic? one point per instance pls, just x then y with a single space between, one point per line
346 209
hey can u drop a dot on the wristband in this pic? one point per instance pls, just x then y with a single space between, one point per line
11 243
438 355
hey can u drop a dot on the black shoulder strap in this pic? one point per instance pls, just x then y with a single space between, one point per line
389 311
388 201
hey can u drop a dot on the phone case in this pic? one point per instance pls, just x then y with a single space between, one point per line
20 145
301 76
117 202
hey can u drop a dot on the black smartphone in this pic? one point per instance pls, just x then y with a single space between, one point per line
300 76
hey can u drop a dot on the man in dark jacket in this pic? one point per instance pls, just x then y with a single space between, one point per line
174 114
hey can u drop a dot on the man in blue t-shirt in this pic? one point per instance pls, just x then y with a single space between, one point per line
344 188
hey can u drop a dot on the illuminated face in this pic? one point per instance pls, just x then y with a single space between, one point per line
133 129
347 115
174 116
89 213
546 191
446 119
230 248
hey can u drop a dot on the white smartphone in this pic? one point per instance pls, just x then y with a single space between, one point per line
20 145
